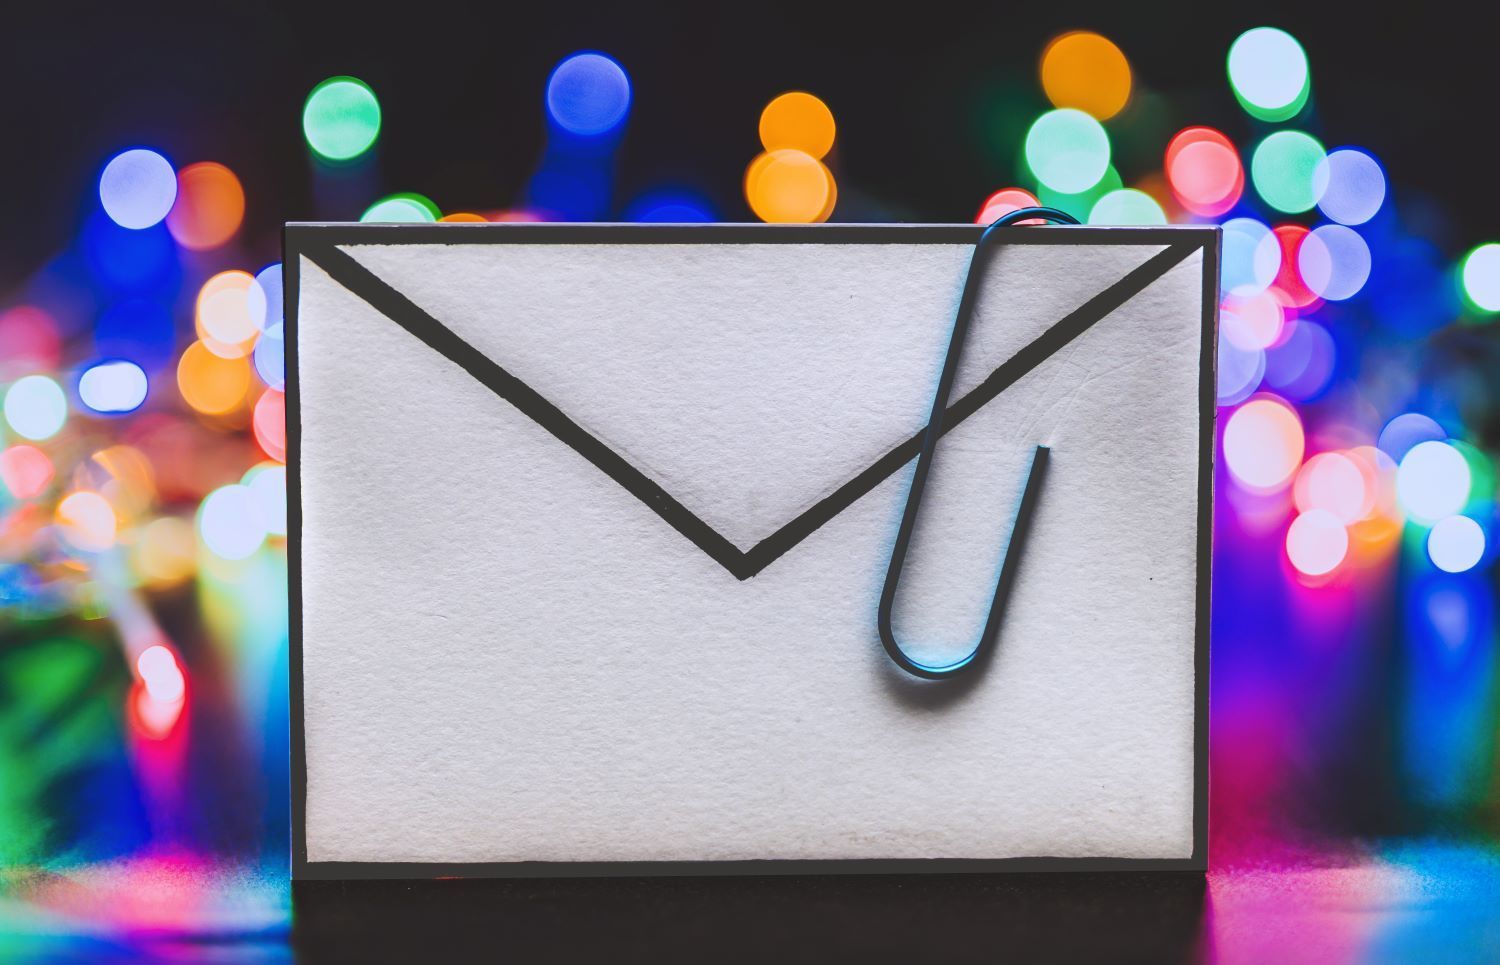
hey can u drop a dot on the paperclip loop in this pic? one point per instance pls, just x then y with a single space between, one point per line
924 466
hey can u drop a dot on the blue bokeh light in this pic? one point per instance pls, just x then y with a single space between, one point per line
588 94
670 206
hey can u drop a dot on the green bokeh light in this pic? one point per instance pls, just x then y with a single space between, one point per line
1127 206
1079 205
341 118
1283 168
1067 150
407 208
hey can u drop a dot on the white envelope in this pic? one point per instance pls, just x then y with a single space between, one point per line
589 524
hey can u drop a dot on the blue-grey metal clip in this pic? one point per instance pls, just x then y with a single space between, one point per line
924 466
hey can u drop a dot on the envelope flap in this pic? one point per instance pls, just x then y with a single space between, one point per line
748 381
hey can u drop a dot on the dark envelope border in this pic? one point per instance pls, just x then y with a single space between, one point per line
319 243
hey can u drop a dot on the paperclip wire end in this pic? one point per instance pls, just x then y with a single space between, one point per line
1019 531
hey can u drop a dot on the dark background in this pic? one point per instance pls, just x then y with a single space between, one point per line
932 99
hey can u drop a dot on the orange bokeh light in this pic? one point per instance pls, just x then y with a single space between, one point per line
210 206
223 317
799 121
210 383
463 217
1088 72
790 187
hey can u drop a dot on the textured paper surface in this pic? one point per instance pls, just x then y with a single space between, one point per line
508 657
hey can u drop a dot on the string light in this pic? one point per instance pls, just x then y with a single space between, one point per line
210 206
1480 273
1086 71
87 521
1263 443
790 186
799 121
25 471
1349 185
1268 73
113 387
1067 150
1282 169
341 118
1455 544
1432 481
1316 542
36 408
588 94
137 188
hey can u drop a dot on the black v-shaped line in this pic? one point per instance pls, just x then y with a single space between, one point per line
743 564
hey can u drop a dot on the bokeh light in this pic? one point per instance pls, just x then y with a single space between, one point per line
1241 363
1481 277
1432 481
1079 205
1301 365
1086 71
210 383
210 206
159 672
1263 443
137 188
1253 321
1127 206
670 206
1282 169
1204 171
269 424
265 297
223 314
790 186
1349 185
267 484
270 357
404 208
341 118
1289 285
1316 542
113 387
29 342
588 94
1003 202
797 120
1455 544
230 522
1251 257
36 408
1407 430
1268 73
1334 262
87 521
163 551
1067 150
25 471
1334 482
